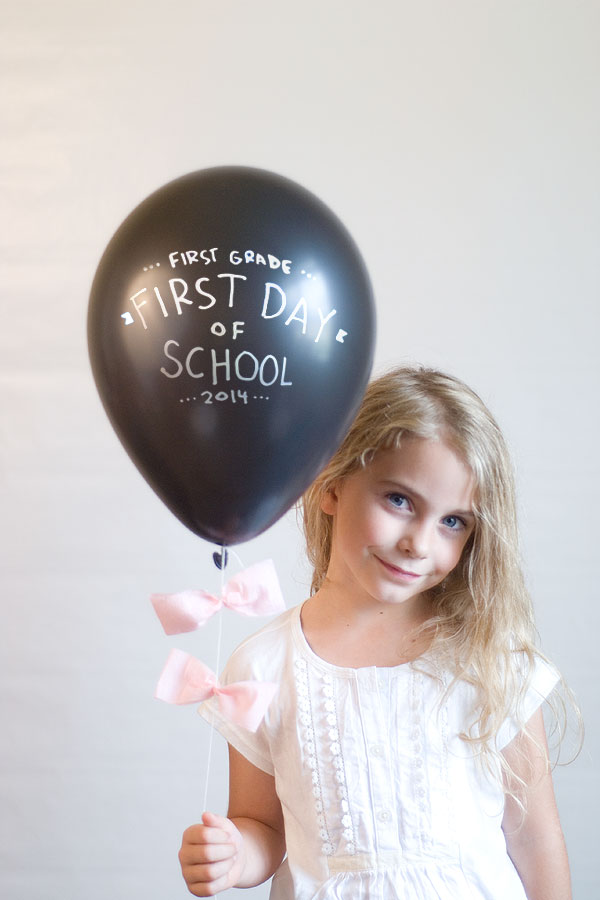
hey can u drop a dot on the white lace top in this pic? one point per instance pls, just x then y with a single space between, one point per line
381 798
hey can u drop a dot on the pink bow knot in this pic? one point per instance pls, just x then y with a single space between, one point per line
185 679
253 592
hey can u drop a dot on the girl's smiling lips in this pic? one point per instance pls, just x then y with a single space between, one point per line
396 570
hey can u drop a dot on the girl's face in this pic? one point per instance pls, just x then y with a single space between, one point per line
400 523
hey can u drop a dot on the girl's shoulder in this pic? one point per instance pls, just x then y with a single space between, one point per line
262 656
527 679
534 680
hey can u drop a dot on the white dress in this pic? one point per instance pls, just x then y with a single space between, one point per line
381 799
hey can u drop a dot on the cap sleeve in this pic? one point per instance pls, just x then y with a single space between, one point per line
544 679
255 746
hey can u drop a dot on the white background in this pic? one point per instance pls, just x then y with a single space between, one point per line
459 142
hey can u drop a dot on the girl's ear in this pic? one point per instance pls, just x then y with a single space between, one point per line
329 500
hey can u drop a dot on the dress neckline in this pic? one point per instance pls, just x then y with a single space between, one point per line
347 671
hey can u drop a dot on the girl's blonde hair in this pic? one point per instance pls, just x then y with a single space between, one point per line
483 618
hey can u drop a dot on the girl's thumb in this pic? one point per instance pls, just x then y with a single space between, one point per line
212 820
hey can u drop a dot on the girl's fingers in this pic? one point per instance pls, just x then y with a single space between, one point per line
198 854
208 874
209 890
206 834
209 855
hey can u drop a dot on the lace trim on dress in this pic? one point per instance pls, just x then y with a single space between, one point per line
328 721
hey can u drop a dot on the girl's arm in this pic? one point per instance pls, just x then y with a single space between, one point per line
535 843
246 848
255 809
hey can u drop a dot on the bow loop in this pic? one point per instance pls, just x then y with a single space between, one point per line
253 592
186 679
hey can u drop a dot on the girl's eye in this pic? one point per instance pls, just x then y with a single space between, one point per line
398 500
453 522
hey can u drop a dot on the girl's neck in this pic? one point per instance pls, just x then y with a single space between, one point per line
346 633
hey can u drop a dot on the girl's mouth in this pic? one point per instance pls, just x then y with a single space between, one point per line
398 571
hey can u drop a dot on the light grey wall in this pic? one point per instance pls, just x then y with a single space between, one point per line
459 142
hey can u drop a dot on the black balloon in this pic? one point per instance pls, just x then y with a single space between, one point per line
231 332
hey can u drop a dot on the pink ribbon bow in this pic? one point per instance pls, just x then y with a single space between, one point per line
253 592
185 679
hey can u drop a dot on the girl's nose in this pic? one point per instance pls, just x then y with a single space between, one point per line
414 541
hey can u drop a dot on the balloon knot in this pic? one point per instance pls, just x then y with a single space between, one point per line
220 558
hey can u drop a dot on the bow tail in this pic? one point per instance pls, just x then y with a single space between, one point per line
245 702
184 679
185 611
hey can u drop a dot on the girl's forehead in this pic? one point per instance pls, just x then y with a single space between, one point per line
414 450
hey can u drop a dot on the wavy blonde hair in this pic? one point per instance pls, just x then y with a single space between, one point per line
483 621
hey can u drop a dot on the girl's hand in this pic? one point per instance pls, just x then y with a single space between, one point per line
211 856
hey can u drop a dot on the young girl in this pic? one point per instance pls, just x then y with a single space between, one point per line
404 755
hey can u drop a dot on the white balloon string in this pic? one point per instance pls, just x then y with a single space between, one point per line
218 671
233 553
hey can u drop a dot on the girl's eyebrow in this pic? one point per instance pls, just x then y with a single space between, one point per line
463 513
405 489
